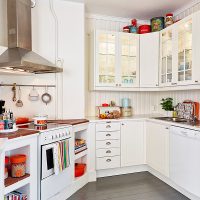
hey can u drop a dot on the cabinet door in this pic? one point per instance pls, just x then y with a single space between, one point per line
185 51
167 53
158 147
106 62
132 144
128 60
149 59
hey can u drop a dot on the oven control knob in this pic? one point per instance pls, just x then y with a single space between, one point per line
57 135
52 137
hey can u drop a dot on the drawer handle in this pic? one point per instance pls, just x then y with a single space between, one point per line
108 143
108 160
108 135
108 126
108 151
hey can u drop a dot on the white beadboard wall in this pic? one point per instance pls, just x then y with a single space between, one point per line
142 102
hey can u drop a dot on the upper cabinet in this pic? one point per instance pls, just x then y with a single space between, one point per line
185 49
180 52
166 56
115 63
129 60
149 60
106 59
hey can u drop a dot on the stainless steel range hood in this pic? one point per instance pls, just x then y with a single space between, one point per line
19 56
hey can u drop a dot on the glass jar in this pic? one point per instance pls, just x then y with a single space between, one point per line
18 165
169 19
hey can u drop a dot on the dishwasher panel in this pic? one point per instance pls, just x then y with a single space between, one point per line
185 159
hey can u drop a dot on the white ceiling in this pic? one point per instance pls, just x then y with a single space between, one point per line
141 9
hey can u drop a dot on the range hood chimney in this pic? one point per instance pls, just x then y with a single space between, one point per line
19 56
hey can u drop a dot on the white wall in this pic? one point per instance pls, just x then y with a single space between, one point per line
68 96
142 102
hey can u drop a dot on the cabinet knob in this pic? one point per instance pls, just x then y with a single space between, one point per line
167 128
123 124
108 160
108 135
108 143
156 85
117 84
173 83
120 85
108 151
108 126
196 81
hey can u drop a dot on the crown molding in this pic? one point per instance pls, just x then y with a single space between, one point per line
188 6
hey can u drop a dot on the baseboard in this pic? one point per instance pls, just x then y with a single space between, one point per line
172 184
121 171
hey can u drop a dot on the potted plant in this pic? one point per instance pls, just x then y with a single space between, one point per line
167 105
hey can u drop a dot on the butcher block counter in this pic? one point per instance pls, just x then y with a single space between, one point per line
72 122
19 133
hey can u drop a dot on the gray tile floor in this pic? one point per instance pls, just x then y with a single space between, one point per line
138 186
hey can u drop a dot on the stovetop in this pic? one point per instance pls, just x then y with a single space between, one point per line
47 127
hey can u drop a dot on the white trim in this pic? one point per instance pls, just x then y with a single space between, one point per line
121 171
172 184
184 8
113 18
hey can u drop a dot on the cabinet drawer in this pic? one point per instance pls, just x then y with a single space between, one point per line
108 135
107 152
108 127
107 144
108 162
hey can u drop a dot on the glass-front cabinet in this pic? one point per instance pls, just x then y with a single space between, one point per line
180 52
129 63
106 59
116 60
166 52
185 51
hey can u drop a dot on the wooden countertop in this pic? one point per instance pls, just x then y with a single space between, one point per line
72 122
19 133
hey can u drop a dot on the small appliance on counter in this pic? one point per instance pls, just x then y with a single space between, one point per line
126 109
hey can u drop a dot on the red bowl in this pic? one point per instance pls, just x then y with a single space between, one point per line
79 169
144 29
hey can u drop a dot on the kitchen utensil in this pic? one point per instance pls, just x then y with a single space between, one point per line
22 120
46 97
40 120
144 29
125 102
126 111
19 102
34 95
169 19
14 92
157 24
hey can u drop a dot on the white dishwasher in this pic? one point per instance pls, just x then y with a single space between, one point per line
185 159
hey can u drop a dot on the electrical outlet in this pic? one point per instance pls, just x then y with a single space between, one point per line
153 108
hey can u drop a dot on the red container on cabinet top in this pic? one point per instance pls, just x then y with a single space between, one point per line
144 29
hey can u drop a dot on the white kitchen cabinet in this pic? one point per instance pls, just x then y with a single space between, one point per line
180 52
114 61
149 59
132 143
108 143
128 60
167 57
188 55
157 150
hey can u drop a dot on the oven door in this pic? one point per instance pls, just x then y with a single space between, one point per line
47 160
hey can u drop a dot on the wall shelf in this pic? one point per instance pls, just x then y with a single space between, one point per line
81 154
12 184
